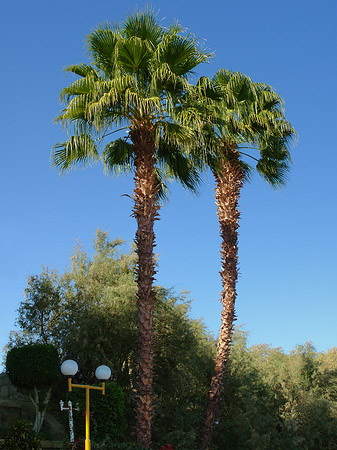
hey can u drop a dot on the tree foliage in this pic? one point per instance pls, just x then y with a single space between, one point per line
271 400
277 400
34 365
95 322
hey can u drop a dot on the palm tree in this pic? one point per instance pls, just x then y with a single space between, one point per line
249 116
138 76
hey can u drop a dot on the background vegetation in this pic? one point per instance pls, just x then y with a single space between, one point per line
271 399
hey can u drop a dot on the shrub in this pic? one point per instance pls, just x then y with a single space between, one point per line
108 413
21 437
33 365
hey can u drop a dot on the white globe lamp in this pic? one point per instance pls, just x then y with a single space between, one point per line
103 373
69 368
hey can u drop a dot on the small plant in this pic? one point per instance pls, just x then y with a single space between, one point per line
21 437
167 447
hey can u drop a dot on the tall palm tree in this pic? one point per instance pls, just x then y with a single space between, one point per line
138 76
249 125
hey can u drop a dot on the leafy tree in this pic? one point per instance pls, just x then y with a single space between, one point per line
40 311
34 367
137 77
269 403
247 115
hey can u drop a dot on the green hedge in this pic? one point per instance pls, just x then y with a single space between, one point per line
33 365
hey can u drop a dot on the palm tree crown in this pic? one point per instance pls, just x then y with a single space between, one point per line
138 76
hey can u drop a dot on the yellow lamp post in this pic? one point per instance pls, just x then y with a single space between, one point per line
69 368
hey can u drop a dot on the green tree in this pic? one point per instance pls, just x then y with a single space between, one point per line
137 77
273 400
248 116
36 368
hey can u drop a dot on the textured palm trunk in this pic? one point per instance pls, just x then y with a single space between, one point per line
146 212
227 194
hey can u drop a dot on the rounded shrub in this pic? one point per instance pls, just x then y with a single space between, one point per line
33 365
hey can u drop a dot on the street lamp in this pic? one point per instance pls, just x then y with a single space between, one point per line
69 368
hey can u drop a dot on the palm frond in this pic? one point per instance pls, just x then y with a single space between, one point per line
118 157
134 55
83 86
82 70
181 53
143 25
178 165
102 46
77 150
273 171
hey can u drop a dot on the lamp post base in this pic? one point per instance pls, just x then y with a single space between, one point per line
87 445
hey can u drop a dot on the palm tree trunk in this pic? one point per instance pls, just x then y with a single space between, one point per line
146 212
227 194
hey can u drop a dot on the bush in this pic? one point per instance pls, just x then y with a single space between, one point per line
33 365
108 413
21 437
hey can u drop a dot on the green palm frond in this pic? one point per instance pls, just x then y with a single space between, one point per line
102 46
273 171
175 164
77 150
83 86
118 157
134 55
82 70
165 80
176 134
181 53
143 25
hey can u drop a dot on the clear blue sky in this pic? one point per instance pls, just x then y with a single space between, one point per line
288 244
